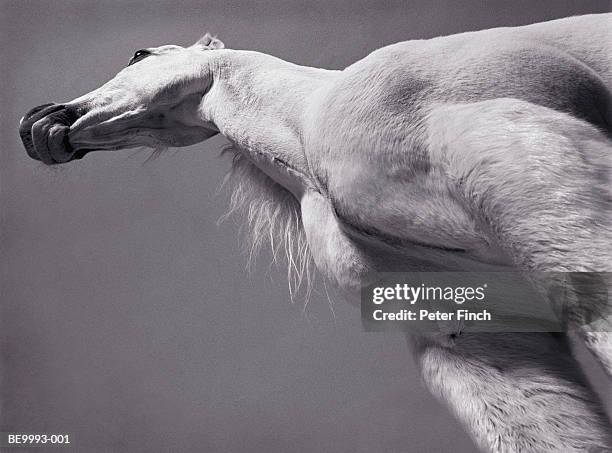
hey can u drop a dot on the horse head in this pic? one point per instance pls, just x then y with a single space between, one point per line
153 102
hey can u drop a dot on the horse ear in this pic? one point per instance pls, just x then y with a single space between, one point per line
209 41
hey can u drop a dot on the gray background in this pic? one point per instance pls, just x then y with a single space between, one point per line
127 316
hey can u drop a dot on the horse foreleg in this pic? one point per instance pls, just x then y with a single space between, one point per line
515 392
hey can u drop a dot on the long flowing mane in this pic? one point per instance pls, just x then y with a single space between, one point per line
273 218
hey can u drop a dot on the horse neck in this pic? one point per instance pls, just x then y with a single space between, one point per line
259 101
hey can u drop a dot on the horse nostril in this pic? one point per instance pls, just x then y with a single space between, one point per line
34 111
66 116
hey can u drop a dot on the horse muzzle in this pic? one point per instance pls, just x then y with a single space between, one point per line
44 133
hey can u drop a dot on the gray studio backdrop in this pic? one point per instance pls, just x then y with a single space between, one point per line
127 316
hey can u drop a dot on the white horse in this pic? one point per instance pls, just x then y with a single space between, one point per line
482 150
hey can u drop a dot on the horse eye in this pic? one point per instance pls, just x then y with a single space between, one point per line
139 55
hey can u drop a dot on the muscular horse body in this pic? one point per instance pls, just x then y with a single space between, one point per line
487 150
